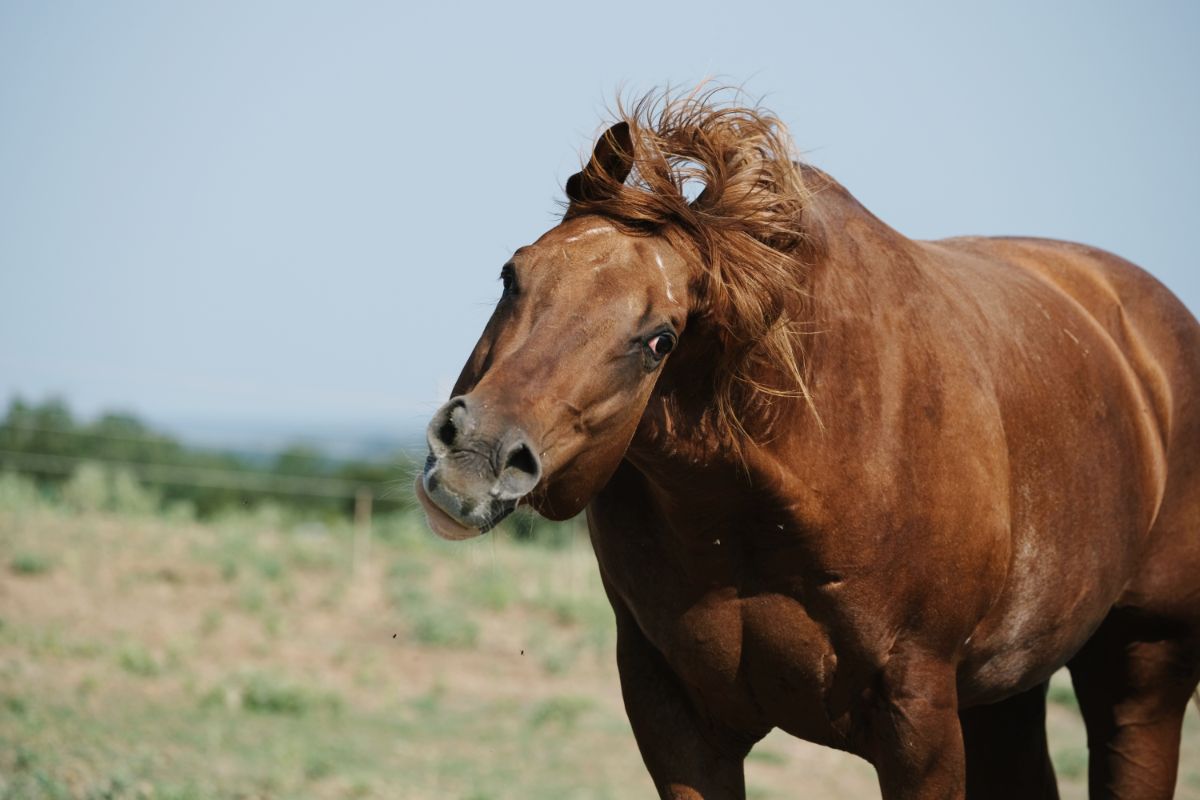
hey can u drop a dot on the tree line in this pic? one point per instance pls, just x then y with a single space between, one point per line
48 442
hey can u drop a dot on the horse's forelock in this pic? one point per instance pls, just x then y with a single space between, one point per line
744 226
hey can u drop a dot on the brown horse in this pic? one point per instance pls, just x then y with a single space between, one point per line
869 490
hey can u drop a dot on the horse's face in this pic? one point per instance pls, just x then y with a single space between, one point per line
554 390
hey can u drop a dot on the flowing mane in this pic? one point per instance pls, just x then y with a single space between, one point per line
745 227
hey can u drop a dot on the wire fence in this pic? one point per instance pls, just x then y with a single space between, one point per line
202 476
364 493
160 440
180 475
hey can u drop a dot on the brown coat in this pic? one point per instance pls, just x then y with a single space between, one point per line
982 465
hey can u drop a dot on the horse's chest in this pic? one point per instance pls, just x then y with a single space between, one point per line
752 661
725 622
704 642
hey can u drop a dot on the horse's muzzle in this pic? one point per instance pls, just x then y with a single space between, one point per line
476 472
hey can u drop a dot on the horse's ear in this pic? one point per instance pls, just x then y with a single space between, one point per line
613 157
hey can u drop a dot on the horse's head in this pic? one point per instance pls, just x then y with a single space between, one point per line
553 393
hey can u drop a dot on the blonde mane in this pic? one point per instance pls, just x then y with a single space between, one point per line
745 227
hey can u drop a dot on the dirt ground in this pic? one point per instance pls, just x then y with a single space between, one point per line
248 658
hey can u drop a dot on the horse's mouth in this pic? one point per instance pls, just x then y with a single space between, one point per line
447 526
439 521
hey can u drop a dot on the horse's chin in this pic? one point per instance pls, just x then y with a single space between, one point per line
439 521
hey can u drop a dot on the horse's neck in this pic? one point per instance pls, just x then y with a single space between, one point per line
859 266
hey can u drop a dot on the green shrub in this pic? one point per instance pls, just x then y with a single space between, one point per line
18 493
269 515
86 489
137 660
444 627
259 693
559 660
562 711
269 566
487 588
262 694
1062 695
127 496
767 757
318 766
92 487
211 622
406 583
1070 762
431 702
29 563
180 511
17 706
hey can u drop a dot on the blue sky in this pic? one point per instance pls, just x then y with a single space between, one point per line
295 213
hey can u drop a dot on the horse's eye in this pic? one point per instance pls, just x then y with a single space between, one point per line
661 344
508 278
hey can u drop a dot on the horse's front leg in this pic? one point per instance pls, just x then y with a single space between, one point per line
687 757
913 732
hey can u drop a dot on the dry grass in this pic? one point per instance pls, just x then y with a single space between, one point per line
145 658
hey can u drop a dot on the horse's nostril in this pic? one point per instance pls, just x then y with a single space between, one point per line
446 432
520 473
449 424
521 458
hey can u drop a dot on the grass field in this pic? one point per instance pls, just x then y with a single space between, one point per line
145 657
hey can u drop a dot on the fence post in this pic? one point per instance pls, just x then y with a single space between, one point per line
362 527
